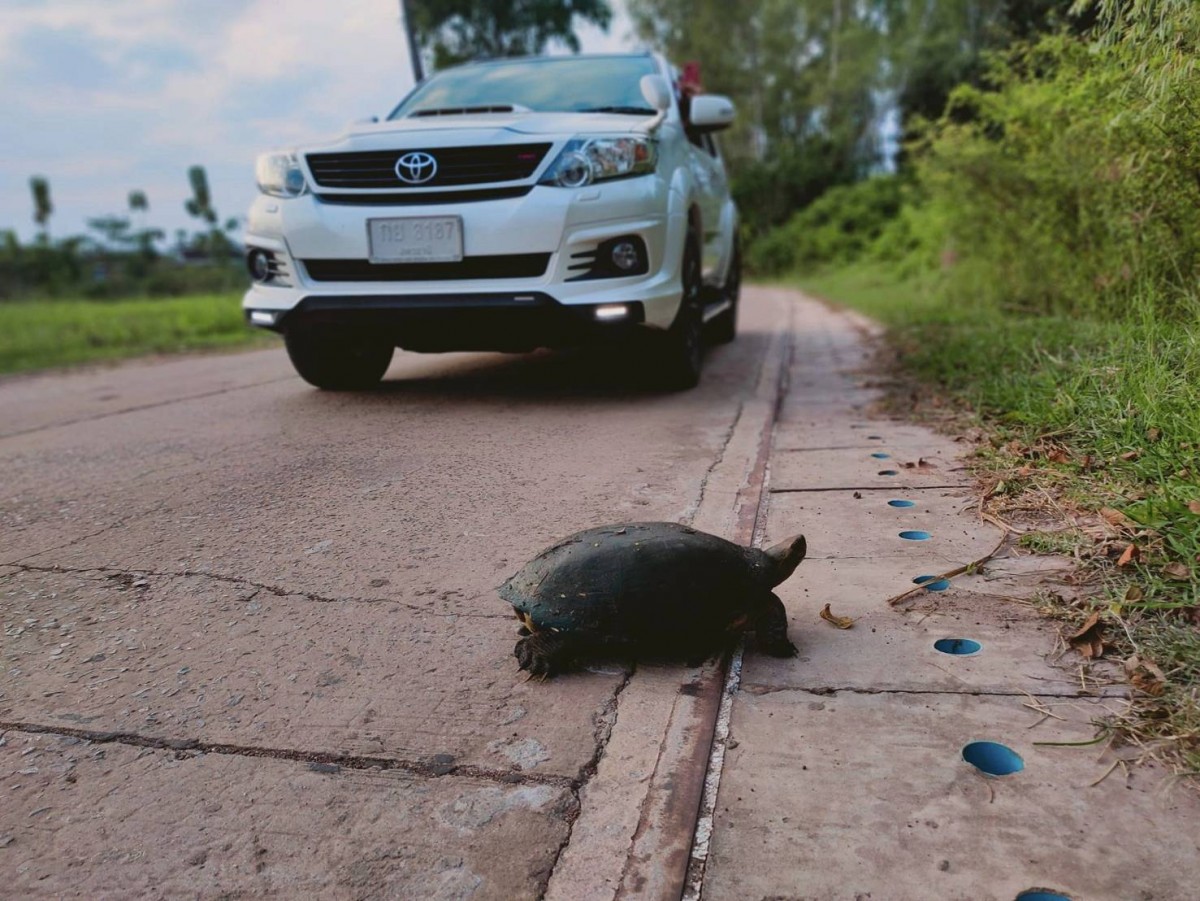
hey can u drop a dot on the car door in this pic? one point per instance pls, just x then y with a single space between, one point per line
712 186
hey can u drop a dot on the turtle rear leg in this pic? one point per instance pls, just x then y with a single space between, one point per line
547 653
771 628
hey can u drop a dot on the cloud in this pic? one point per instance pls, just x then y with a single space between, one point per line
105 98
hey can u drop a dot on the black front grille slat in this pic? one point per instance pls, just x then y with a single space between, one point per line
523 265
416 198
456 166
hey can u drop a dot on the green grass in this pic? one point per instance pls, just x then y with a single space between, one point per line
1096 415
51 333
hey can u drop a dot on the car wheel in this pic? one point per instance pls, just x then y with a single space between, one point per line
337 360
724 326
681 354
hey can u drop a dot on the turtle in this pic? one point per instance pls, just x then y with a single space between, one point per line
660 587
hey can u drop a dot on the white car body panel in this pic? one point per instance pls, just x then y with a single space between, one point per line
551 220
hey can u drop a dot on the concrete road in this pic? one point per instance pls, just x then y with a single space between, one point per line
251 638
252 645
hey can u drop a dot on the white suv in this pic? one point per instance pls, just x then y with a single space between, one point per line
505 205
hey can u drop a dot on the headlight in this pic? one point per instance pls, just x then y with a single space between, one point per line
280 175
585 160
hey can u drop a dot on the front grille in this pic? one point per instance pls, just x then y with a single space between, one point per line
524 265
415 199
455 166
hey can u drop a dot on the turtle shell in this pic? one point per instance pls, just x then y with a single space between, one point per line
638 581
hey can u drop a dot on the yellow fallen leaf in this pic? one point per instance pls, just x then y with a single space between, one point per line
842 622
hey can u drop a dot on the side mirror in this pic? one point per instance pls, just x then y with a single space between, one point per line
710 112
656 91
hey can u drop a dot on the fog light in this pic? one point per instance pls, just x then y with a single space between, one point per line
625 256
612 311
259 264
262 317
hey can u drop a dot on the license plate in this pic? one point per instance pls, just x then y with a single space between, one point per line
423 239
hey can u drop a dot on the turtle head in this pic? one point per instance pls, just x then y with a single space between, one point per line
785 557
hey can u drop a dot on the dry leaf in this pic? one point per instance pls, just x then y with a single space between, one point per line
1089 639
1154 434
1115 517
1025 471
1133 594
1058 455
842 622
1178 571
1128 555
1194 507
1145 675
1131 455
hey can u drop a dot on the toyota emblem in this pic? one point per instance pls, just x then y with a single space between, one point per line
416 168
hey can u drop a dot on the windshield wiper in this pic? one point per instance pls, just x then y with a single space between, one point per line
621 110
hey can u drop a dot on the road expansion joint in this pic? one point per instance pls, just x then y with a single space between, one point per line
120 523
893 488
320 761
130 577
138 408
759 690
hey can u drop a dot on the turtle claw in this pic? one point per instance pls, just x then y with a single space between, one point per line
782 649
545 653
529 658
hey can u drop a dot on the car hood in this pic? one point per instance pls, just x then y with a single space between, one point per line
494 128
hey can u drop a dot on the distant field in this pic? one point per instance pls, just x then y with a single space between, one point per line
50 333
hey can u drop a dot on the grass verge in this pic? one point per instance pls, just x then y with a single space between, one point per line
1091 441
49 333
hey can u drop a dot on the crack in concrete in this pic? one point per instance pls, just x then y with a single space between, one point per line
826 690
140 407
112 571
605 720
689 515
429 769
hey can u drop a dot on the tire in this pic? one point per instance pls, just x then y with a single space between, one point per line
724 327
336 360
681 350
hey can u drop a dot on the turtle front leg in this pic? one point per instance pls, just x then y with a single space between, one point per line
771 628
547 653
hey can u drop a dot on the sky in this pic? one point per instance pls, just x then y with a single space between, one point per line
106 97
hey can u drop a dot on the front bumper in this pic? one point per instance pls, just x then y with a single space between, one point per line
515 249
515 322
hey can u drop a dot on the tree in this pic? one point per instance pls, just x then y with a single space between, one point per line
138 202
143 236
454 31
42 207
200 203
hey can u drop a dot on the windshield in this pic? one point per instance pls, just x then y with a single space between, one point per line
545 84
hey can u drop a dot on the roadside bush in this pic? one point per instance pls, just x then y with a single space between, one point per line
1062 189
838 228
768 193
